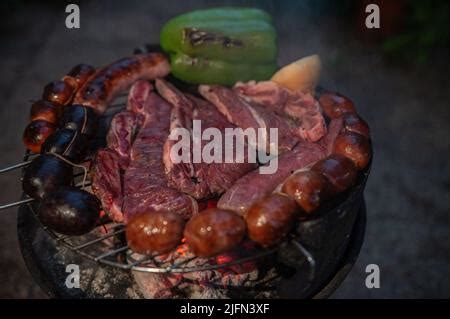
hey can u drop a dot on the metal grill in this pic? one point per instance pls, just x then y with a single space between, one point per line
106 244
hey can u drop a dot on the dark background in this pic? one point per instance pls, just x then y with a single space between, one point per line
398 77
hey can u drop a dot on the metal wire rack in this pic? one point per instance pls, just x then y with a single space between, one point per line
106 244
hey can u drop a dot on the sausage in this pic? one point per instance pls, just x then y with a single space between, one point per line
45 110
44 175
59 92
68 143
353 146
335 105
102 87
154 232
308 188
36 133
214 231
339 170
80 118
354 123
69 211
270 219
79 75
62 91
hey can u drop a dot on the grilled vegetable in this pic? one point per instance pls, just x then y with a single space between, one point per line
221 46
301 75
69 211
45 174
199 70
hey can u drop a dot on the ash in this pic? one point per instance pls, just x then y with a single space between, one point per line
222 283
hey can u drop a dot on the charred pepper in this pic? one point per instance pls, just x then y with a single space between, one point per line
221 46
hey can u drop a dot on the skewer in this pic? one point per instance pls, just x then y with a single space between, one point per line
14 166
30 200
18 203
309 258
23 164
28 159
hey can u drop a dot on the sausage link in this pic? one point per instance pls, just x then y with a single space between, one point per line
214 231
102 87
269 220
353 146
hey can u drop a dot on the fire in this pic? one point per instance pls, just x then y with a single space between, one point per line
183 249
223 259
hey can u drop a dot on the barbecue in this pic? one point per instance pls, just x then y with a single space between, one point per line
106 188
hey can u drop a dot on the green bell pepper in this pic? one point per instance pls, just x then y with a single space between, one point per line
221 46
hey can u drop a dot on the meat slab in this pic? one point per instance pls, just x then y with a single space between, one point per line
297 105
254 186
246 115
129 176
199 180
121 135
107 183
136 172
145 182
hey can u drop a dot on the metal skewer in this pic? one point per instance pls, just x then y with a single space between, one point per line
30 200
15 166
18 203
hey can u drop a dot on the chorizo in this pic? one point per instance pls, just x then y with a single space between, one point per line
335 105
339 170
270 219
103 86
308 188
353 146
154 232
214 231
36 133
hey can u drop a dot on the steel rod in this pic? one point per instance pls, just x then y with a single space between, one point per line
111 253
102 238
18 203
309 257
14 166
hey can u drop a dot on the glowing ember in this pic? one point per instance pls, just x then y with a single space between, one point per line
197 284
182 250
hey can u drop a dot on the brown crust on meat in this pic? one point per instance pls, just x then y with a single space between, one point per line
102 86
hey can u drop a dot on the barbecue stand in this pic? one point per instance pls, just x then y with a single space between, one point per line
46 260
311 263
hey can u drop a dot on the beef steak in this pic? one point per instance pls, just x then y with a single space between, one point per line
250 115
297 105
145 182
254 186
198 179
107 183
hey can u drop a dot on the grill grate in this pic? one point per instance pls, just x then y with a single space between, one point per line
111 249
